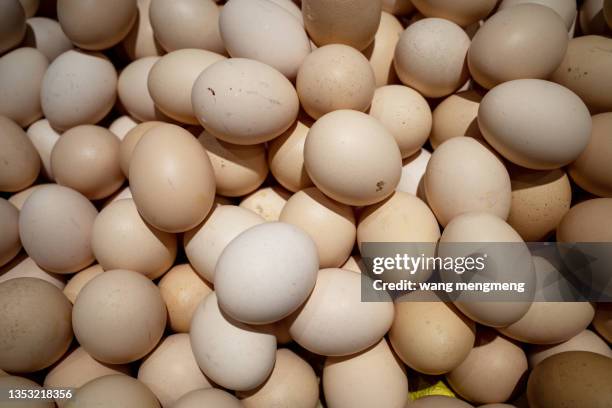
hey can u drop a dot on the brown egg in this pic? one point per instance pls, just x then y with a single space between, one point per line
12 24
335 77
19 383
47 36
365 174
268 202
86 158
30 7
179 24
588 221
21 75
97 24
171 179
212 397
292 383
182 290
140 42
121 239
352 22
565 8
397 7
586 340
456 116
20 161
438 401
113 391
608 12
79 280
603 320
133 91
581 378
122 125
55 227
35 325
381 51
44 138
374 377
129 142
492 370
461 12
524 41
9 225
24 267
171 371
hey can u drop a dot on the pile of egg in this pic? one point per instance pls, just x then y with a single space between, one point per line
186 185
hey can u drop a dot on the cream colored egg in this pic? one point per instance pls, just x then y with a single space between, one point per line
113 391
268 202
20 160
565 8
18 199
462 12
12 24
47 36
10 245
122 125
456 116
9 382
381 51
413 170
140 42
119 195
291 7
79 280
354 264
132 137
44 137
212 397
603 321
586 340
22 266
133 91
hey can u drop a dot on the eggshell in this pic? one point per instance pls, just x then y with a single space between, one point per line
121 239
19 383
334 321
20 161
18 199
118 391
140 42
566 9
43 137
352 22
380 51
9 225
133 91
583 341
12 24
268 202
79 280
179 24
47 36
171 179
55 226
397 7
455 185
438 401
524 41
36 325
182 290
456 116
171 371
25 267
217 340
413 170
97 24
335 77
132 137
293 383
588 221
205 243
603 321
374 377
365 174
122 125
209 397
461 12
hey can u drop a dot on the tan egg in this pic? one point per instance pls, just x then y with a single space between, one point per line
354 264
591 169
20 383
239 169
438 401
405 114
363 175
352 22
335 304
607 8
524 41
211 397
24 267
603 321
380 52
286 156
588 221
119 316
171 179
78 88
140 42
268 202
413 170
463 12
171 371
18 199
455 186
78 368
43 137
30 7
55 227
133 91
335 77
431 57
10 245
586 340
126 148
491 371
47 36
179 24
97 24
182 290
397 7
19 158
86 158
122 125
79 280
216 340
21 75
374 377
292 384
119 195
456 116
113 391
540 199
121 239
329 223
172 78
12 24
565 8
36 325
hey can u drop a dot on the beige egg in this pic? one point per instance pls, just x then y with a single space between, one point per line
239 169
455 185
463 12
113 391
171 179
36 325
292 383
438 401
335 77
212 397
279 329
10 245
55 226
140 42
12 24
18 199
286 156
380 52
30 7
405 114
354 264
24 267
565 8
20 383
268 202
119 195
121 239
44 138
182 290
352 22
47 36
335 304
374 377
97 24
588 221
122 125
216 340
86 159
603 321
365 174
21 162
79 280
456 116
413 171
171 371
397 7
126 148
524 41
133 91
583 341
179 24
